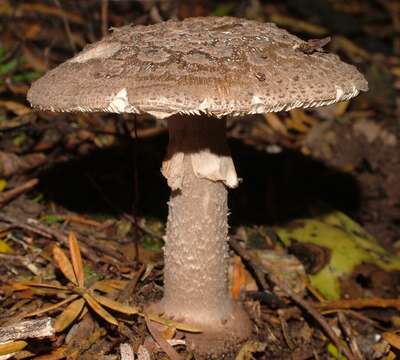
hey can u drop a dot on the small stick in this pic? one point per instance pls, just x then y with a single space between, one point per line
36 328
9 195
164 345
47 232
66 26
297 299
104 17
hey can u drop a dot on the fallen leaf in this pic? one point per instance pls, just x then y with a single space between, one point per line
175 324
99 309
115 305
51 307
108 286
5 248
164 345
76 259
70 313
56 354
250 347
15 107
12 347
349 246
64 264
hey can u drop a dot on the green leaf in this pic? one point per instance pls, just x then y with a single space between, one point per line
19 139
2 53
224 9
27 76
52 219
8 67
349 245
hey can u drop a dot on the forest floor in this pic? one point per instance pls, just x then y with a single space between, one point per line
95 178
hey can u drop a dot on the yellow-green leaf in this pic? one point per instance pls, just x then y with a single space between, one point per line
70 313
76 259
5 248
175 324
3 184
64 264
115 305
348 245
12 347
99 309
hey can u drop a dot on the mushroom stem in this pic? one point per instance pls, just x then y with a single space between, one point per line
196 285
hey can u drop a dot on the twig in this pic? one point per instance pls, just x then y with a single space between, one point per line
27 329
9 195
23 225
104 17
66 26
126 352
164 345
130 287
254 263
349 335
359 303
47 232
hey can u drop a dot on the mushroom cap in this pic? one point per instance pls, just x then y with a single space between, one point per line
215 65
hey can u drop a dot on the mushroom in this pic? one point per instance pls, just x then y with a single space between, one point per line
195 73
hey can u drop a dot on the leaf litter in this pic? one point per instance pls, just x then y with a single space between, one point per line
96 293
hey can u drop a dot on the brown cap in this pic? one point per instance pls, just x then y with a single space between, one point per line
216 65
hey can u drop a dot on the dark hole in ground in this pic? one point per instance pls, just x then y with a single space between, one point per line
275 187
363 281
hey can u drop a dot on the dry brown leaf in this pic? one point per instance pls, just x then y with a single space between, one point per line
56 354
29 284
64 264
115 305
108 286
350 48
169 333
175 324
298 25
12 347
393 339
82 220
275 122
250 347
341 108
83 313
51 307
50 11
15 107
70 313
34 61
76 259
238 278
99 309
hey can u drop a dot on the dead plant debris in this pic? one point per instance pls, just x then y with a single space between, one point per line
64 177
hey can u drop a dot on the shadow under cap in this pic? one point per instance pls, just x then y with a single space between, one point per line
215 65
